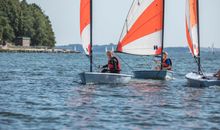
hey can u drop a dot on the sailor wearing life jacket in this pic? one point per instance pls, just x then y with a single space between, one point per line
113 65
167 62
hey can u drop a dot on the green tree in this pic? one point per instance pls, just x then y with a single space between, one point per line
6 31
23 19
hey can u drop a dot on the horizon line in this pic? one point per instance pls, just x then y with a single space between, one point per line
116 45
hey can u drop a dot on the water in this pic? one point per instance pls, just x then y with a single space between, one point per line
39 91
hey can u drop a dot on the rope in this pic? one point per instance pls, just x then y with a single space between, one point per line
202 69
96 66
125 62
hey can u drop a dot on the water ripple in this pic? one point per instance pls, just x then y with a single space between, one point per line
40 93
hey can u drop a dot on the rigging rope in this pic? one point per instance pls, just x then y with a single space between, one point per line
95 65
125 62
202 69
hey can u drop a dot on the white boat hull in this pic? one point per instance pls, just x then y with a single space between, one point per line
198 80
150 74
104 78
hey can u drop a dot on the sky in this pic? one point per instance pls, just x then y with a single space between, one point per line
109 17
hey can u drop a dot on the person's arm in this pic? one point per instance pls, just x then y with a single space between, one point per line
105 66
217 74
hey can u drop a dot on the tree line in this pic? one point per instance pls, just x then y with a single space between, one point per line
20 19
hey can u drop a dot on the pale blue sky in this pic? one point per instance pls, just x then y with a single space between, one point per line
109 17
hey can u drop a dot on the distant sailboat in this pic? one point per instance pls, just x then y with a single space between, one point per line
143 34
75 49
196 79
113 49
106 49
87 42
213 49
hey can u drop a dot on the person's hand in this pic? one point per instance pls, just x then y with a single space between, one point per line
156 61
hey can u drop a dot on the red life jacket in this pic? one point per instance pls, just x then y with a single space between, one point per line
114 68
165 65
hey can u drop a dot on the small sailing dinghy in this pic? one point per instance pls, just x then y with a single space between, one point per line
86 36
213 49
143 34
106 49
196 79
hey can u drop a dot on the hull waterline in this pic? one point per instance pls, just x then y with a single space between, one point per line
198 80
104 78
150 74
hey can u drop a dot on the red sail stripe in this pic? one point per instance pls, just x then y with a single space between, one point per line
84 14
190 43
193 13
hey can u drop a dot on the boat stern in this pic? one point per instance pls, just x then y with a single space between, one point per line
196 80
82 77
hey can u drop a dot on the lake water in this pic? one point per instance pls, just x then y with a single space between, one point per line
40 91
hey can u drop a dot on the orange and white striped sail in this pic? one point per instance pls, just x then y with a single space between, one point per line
142 32
85 25
192 26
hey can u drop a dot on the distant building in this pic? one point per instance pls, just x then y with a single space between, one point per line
23 41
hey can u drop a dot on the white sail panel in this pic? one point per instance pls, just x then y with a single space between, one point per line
144 19
136 10
142 47
85 25
85 36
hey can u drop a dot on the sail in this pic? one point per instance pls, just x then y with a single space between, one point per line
142 32
192 26
85 25
113 49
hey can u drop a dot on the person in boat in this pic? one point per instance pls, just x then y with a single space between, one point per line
217 75
113 65
167 62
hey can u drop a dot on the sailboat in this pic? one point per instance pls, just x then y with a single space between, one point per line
113 49
143 34
75 49
213 49
199 78
87 43
106 49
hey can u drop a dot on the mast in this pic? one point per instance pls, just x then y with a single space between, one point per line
90 57
199 62
213 48
162 46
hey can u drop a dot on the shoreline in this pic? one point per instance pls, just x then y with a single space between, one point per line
19 49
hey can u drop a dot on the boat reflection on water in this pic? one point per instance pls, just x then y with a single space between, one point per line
130 103
193 108
140 104
150 90
83 111
191 99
